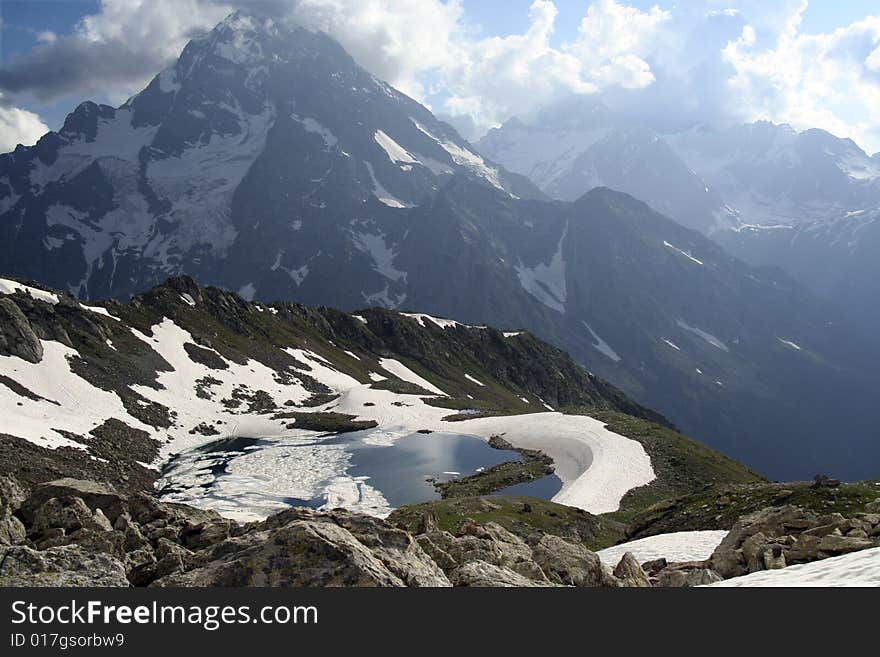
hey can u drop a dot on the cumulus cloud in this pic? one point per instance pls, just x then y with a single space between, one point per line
825 80
113 52
18 126
711 61
426 48
397 41
613 40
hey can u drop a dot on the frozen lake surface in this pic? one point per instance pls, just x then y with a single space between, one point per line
251 478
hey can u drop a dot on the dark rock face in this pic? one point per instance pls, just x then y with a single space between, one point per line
91 495
783 536
65 566
12 494
16 336
629 571
302 553
67 538
61 534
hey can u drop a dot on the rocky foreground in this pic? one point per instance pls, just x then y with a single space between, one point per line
83 533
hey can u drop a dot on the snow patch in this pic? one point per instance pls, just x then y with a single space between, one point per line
850 570
708 337
311 126
465 158
69 403
98 310
546 282
395 152
684 253
402 372
384 298
675 547
421 318
602 346
11 287
383 194
381 254
473 380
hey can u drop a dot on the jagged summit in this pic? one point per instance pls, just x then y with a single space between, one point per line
262 136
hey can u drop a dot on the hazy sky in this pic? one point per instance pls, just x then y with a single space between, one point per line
479 62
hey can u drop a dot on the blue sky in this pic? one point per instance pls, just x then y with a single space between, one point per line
503 17
495 17
454 68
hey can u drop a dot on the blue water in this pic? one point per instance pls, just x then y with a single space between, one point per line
401 472
544 488
404 472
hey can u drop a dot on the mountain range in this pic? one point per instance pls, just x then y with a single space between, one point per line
804 202
267 162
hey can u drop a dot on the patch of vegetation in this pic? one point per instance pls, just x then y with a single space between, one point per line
33 465
471 409
206 357
203 387
258 401
493 479
148 412
527 517
204 429
535 465
719 507
459 404
115 439
319 399
682 465
325 422
401 387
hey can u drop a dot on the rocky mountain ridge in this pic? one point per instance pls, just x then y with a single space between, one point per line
80 533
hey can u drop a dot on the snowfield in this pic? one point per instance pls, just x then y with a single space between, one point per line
676 547
850 570
597 467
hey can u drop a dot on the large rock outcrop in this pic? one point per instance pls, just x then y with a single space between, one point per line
63 566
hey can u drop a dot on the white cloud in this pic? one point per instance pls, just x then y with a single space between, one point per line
113 52
714 61
47 36
826 80
18 126
426 48
396 41
613 39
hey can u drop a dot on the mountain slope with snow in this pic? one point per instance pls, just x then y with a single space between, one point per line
575 146
658 309
266 161
261 138
771 174
836 258
131 385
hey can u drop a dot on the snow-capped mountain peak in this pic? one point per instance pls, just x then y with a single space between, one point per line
261 133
